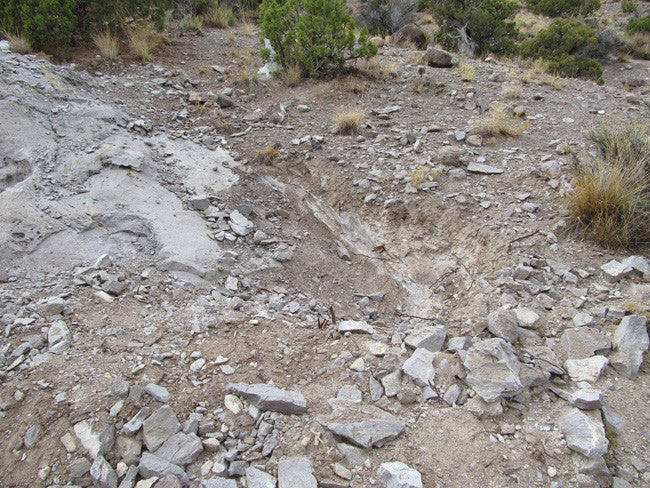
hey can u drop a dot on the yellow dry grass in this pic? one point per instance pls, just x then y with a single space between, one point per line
500 120
108 44
143 41
348 121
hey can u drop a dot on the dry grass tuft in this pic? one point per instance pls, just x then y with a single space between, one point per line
423 174
349 121
144 40
554 82
291 75
529 24
18 43
269 155
108 45
637 45
466 71
500 119
611 197
219 17
512 90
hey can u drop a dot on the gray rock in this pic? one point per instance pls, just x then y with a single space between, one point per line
126 158
449 155
219 483
239 224
632 334
237 468
32 434
129 478
79 468
376 389
296 473
526 317
615 271
588 369
398 475
224 101
268 397
159 427
102 474
431 338
353 456
199 203
180 449
492 369
461 343
350 393
474 140
58 337
169 481
53 306
367 433
582 319
157 392
584 434
128 449
583 342
620 483
419 367
627 363
133 426
256 478
586 399
504 324
392 383
437 58
613 421
151 465
640 264
484 169
355 326
452 394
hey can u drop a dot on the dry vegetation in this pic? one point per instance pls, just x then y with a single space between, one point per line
108 44
500 120
467 71
219 16
143 41
611 197
349 121
18 43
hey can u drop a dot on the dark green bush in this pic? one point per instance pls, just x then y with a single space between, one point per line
476 26
641 24
564 8
564 45
316 35
387 16
49 25
629 6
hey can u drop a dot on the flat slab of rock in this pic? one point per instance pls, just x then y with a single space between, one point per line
363 425
296 473
588 369
632 334
358 326
160 426
431 338
584 434
492 369
615 271
181 449
399 475
58 337
268 397
256 478
484 169
583 342
151 465
419 367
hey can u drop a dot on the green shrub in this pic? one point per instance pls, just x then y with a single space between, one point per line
641 24
564 45
557 8
11 16
476 26
49 25
317 35
629 6
387 16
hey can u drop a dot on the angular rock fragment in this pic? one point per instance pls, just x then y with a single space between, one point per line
151 465
430 338
157 392
419 367
102 474
160 426
180 449
355 326
588 369
504 324
268 397
133 426
256 478
584 434
492 369
58 337
367 433
583 342
296 473
399 475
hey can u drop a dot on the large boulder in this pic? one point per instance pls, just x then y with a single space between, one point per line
410 34
437 58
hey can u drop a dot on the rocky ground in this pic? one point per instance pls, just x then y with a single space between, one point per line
407 306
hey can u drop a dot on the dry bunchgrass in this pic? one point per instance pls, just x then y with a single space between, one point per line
143 41
553 81
512 90
291 75
190 22
529 24
637 45
18 43
423 174
500 120
270 155
220 17
246 77
611 196
349 121
108 44
467 71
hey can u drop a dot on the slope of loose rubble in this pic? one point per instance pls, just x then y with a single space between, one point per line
404 307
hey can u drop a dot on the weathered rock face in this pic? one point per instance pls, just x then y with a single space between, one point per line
160 426
296 473
630 341
399 475
268 397
584 434
492 369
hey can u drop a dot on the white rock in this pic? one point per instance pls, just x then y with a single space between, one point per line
588 369
398 475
